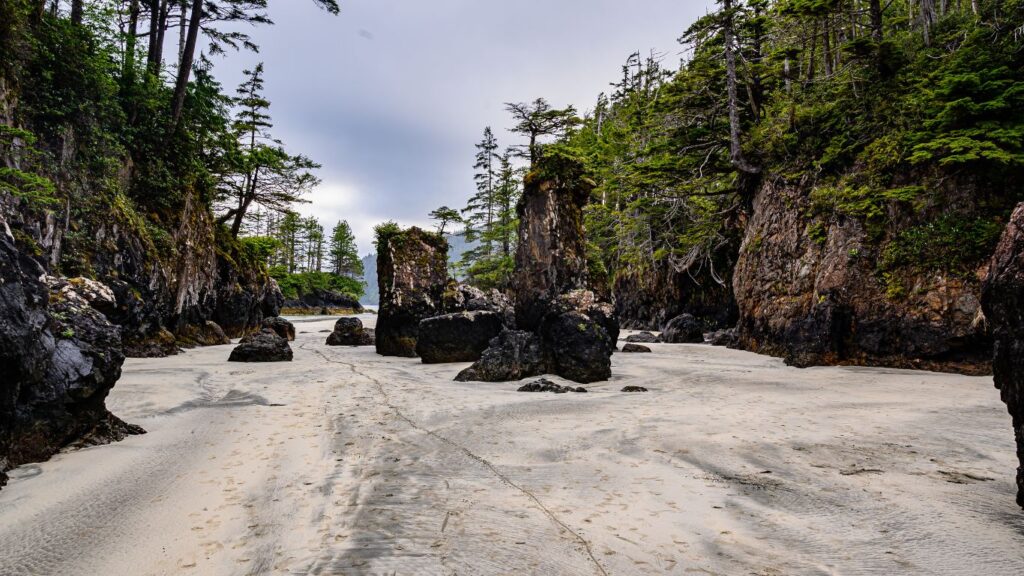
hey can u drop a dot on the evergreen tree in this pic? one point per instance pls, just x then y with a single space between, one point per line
537 120
478 215
342 252
444 216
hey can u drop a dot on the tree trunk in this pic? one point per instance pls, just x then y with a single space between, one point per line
77 8
876 20
735 143
185 64
128 73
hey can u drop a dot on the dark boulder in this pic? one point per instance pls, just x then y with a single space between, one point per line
726 337
207 333
263 346
635 348
412 272
59 356
465 298
280 326
513 355
545 385
459 337
683 329
587 303
578 347
350 332
1003 302
634 389
642 338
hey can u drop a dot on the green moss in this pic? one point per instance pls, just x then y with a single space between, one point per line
951 244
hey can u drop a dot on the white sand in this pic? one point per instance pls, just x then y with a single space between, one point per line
343 462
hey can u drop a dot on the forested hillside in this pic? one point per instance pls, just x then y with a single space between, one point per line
830 176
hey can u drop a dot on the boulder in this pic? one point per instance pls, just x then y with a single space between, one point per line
263 346
207 333
59 356
280 326
545 385
683 329
634 389
725 337
350 332
412 272
459 337
578 347
1003 302
512 355
642 338
635 348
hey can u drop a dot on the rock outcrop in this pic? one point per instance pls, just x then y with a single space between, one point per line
683 329
412 272
819 299
642 338
263 346
60 358
513 355
646 299
1003 301
562 327
280 326
551 257
208 333
458 337
350 332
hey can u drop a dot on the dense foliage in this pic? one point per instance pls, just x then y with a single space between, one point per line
906 115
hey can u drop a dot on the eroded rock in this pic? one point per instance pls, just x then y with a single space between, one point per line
280 326
642 338
545 385
513 355
459 337
635 349
350 332
683 329
1003 300
412 272
263 346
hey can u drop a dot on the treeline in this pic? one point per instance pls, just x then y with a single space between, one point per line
907 115
119 116
301 257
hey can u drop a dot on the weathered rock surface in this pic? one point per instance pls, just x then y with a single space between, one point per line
412 272
350 332
725 337
636 349
465 298
647 299
513 355
683 329
578 348
551 255
1003 301
60 357
459 337
642 338
208 333
820 301
280 326
545 385
323 302
263 346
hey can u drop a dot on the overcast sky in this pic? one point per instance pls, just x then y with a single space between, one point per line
391 95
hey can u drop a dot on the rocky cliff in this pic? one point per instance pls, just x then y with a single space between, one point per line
809 289
1003 299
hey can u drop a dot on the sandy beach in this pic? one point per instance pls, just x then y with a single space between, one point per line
345 462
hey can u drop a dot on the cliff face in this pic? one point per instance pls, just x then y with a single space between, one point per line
1003 299
647 300
812 294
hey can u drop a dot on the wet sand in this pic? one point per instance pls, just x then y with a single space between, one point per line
344 462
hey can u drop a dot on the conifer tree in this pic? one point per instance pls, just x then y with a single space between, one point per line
342 252
478 215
